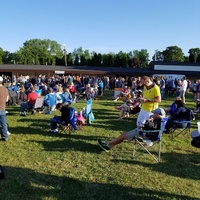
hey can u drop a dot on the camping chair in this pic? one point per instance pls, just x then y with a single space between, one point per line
71 125
88 114
65 128
38 106
140 147
50 103
184 123
134 111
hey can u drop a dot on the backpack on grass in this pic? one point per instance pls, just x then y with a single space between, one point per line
1 172
196 142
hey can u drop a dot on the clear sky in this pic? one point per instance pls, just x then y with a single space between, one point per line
102 26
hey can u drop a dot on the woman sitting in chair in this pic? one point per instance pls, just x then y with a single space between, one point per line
124 93
179 114
132 105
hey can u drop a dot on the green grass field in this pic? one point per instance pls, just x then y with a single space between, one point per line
44 166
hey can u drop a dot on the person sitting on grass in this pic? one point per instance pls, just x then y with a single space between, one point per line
153 123
67 116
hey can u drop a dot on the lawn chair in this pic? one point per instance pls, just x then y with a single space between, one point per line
71 125
140 147
134 111
50 103
37 107
39 104
88 114
183 126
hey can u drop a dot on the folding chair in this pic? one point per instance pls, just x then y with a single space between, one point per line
88 112
38 104
65 128
183 123
71 124
140 147
49 103
134 111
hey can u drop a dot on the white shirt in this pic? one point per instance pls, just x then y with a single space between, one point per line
184 85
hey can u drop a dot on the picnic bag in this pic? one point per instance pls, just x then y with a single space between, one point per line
1 172
196 142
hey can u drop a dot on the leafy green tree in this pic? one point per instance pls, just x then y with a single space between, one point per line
194 54
36 51
173 54
144 58
1 55
97 59
121 59
111 59
136 59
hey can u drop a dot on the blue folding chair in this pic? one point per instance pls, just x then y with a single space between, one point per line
183 126
140 147
88 114
50 102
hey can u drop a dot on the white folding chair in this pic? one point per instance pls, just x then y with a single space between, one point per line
140 147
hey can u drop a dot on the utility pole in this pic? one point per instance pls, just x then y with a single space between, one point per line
65 54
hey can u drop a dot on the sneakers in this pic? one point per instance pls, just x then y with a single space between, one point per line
33 112
3 140
8 133
103 145
54 131
23 114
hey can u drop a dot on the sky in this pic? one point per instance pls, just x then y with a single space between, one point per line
102 26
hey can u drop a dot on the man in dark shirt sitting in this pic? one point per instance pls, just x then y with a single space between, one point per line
67 116
153 123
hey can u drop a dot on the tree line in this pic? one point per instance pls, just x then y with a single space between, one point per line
49 52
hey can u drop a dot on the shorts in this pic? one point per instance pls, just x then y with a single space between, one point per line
131 134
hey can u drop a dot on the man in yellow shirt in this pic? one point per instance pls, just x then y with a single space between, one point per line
149 101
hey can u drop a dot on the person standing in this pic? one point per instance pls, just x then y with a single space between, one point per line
149 101
4 96
183 89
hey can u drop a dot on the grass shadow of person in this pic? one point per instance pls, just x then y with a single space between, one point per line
28 184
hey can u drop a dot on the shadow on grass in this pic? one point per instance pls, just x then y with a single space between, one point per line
68 144
71 142
174 164
27 184
36 126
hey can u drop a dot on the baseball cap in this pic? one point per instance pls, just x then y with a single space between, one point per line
159 111
1 79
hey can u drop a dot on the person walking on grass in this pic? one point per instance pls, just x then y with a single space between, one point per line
183 89
4 96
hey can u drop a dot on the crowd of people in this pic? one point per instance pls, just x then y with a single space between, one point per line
144 93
